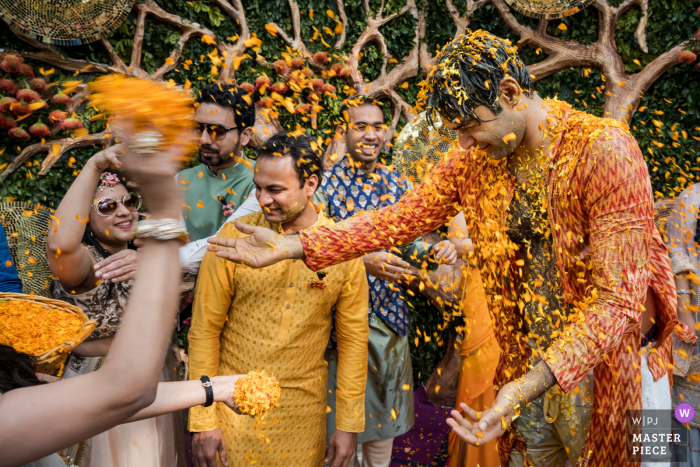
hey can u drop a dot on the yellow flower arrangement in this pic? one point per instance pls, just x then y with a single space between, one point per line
256 393
32 328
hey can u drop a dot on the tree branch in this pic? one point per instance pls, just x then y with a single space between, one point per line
461 23
137 47
341 11
228 72
65 145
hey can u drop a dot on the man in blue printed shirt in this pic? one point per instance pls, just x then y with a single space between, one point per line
357 183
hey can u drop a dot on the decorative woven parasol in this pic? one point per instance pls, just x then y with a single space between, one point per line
65 22
420 146
548 9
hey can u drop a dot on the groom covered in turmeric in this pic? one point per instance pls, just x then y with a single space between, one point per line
278 319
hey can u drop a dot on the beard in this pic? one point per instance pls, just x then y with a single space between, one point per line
213 157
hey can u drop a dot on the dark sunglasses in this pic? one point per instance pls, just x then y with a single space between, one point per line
108 206
215 132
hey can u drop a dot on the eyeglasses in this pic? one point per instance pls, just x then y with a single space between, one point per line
216 132
106 207
364 127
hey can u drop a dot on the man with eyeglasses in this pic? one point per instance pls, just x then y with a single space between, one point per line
224 179
359 182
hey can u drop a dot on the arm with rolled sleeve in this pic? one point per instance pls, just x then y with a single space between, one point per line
212 301
352 330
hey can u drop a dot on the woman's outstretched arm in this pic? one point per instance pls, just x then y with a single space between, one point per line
40 420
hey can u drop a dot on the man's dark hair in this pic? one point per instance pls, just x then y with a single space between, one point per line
467 73
358 101
304 151
229 96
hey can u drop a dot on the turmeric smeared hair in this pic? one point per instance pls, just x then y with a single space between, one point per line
466 75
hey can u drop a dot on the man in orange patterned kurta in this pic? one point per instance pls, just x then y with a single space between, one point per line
560 209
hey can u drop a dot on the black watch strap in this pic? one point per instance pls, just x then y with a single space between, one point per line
207 388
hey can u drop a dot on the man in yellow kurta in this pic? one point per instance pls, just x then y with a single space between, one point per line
278 319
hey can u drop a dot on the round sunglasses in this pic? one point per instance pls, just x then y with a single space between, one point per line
108 206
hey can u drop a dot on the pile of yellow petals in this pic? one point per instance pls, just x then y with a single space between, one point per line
34 329
256 393
151 105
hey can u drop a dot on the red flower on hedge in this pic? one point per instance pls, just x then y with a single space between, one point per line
317 84
8 86
279 88
302 108
247 87
320 58
27 95
40 130
337 68
20 134
6 102
21 109
57 116
60 98
26 70
39 85
267 102
297 63
697 35
281 67
261 81
7 122
11 62
72 123
307 72
686 57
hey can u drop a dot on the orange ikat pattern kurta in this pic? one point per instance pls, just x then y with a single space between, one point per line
607 249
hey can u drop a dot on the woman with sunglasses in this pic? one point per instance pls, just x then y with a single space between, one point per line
94 221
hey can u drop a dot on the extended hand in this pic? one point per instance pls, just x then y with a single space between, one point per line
262 248
119 267
341 448
223 387
206 445
488 425
445 252
386 266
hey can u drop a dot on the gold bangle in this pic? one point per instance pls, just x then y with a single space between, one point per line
161 229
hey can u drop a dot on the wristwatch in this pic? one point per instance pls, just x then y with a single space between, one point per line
207 388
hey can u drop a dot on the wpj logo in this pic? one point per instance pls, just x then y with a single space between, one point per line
684 412
651 434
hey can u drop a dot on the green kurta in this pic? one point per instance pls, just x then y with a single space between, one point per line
206 194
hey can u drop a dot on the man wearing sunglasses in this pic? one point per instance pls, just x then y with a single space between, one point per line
225 175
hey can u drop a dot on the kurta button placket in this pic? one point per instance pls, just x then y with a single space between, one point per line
289 297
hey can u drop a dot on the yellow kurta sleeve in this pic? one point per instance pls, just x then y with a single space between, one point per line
212 300
352 330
